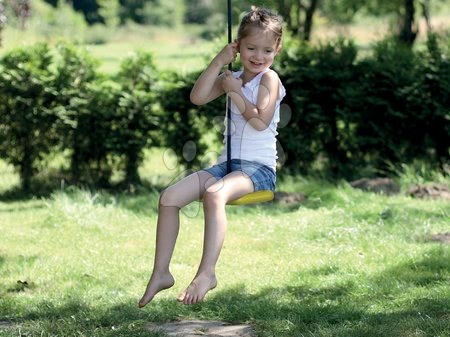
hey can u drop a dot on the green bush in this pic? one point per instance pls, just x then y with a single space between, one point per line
350 116
317 80
27 96
434 100
383 123
107 122
357 116
402 107
137 121
185 122
78 121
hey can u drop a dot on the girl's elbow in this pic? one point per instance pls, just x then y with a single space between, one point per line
258 124
196 100
261 127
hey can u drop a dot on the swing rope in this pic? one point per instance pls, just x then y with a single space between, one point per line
254 197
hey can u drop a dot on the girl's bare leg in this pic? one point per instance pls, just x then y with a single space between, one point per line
215 198
171 201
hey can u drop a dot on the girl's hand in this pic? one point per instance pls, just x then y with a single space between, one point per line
228 54
230 83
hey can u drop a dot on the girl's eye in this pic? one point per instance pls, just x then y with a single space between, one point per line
251 48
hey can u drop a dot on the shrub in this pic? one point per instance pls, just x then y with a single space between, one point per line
382 122
78 127
353 116
317 81
185 122
434 100
27 96
137 121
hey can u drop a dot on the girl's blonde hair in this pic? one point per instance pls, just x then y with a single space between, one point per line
264 19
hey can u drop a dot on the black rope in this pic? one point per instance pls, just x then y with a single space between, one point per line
228 114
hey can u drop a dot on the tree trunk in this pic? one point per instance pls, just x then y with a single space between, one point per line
408 31
131 169
332 145
425 4
26 168
284 9
75 159
309 14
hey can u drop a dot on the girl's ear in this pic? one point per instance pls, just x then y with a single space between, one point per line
279 47
238 46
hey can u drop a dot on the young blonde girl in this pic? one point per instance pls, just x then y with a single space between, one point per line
256 92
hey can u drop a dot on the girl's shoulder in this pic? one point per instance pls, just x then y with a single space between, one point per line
270 75
271 79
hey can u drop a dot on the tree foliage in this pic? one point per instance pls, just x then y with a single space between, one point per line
299 15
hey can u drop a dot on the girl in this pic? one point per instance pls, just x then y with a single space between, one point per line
256 93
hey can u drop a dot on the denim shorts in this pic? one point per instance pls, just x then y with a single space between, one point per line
262 176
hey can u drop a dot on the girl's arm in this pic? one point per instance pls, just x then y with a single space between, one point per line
209 84
259 115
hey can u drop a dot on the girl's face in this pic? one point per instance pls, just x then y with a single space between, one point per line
257 51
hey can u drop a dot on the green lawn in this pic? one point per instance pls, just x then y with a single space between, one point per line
180 49
177 49
344 263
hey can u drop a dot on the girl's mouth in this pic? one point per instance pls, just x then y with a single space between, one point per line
257 64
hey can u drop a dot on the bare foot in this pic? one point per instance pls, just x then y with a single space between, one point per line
157 283
198 288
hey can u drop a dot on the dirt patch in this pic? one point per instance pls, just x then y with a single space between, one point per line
289 199
377 185
440 237
431 191
5 324
202 328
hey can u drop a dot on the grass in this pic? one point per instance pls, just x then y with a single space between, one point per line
180 49
177 49
344 263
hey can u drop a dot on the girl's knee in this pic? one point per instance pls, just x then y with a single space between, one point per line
168 197
213 199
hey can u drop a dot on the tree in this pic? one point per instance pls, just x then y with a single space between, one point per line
22 10
109 10
2 20
299 16
408 29
90 9
406 13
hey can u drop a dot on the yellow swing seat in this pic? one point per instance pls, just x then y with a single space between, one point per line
253 198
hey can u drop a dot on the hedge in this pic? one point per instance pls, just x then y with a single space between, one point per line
356 116
352 115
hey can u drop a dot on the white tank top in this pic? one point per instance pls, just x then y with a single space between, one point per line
248 143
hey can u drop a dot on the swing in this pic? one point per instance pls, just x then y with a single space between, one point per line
254 197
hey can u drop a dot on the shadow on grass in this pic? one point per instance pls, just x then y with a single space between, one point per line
133 198
140 199
395 302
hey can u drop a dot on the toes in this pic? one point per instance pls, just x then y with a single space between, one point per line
187 299
190 299
144 301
